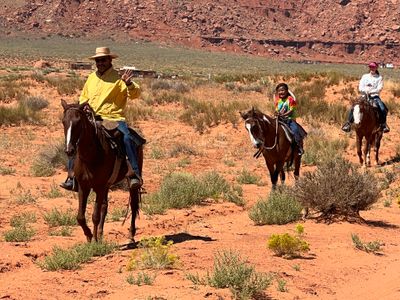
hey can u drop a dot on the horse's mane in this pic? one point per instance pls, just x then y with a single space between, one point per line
256 114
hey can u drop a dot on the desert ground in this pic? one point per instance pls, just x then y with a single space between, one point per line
332 269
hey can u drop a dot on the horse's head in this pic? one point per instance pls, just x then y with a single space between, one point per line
254 121
74 118
363 106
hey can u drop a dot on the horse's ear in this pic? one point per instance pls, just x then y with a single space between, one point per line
64 104
242 115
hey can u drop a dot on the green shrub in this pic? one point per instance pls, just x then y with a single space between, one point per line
54 192
180 190
280 208
117 213
287 245
17 115
72 258
336 190
141 279
181 148
202 115
245 177
51 157
6 171
56 218
230 271
66 86
22 219
63 231
136 112
23 196
22 233
154 253
373 247
35 103
282 285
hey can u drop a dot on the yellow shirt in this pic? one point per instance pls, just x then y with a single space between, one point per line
107 94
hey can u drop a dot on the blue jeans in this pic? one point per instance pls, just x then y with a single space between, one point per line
294 127
382 108
130 146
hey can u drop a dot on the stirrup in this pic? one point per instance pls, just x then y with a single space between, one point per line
385 128
346 127
135 182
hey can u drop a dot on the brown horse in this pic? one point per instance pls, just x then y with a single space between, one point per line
366 121
96 166
269 137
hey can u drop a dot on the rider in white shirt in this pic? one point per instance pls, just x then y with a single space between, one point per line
371 84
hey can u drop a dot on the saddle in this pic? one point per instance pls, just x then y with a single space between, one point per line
289 133
108 133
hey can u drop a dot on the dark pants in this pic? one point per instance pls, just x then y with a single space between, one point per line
130 143
381 111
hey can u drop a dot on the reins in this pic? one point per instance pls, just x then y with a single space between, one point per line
262 148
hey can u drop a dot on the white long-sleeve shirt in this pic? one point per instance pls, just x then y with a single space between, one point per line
371 84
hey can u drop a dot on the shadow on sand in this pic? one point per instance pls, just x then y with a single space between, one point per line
175 238
381 224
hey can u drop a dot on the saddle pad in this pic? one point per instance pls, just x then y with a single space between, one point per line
110 125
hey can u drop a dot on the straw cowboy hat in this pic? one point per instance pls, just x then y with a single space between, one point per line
102 52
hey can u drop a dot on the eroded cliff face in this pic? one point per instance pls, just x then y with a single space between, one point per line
330 30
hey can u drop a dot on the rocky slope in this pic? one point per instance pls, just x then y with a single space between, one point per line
327 30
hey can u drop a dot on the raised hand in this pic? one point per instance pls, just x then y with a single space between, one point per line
127 77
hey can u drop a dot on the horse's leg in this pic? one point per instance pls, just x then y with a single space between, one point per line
277 171
283 176
83 195
359 145
100 199
297 163
134 195
377 146
367 152
271 170
103 214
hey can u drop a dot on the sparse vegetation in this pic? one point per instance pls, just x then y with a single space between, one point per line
141 279
337 190
21 233
245 177
282 285
72 258
373 247
62 231
56 218
287 245
230 271
280 208
153 253
6 170
17 115
23 219
319 148
117 213
179 190
51 157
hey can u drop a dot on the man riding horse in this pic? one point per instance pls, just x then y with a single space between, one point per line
106 92
371 85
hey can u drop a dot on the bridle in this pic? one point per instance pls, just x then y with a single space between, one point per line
86 114
263 147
